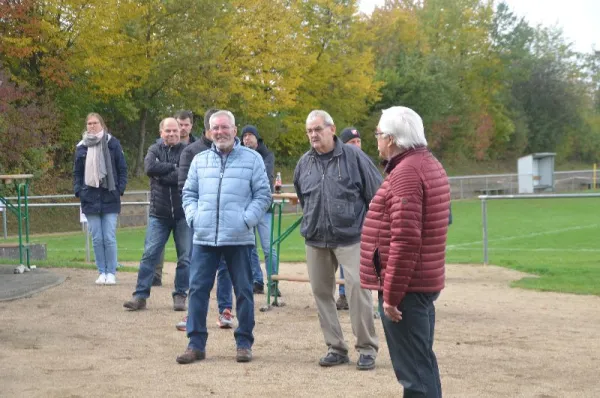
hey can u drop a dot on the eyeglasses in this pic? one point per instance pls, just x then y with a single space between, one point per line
222 128
92 123
315 130
377 134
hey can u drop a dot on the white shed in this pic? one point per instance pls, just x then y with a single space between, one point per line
536 172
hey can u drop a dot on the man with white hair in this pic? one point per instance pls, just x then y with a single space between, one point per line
403 248
335 183
225 196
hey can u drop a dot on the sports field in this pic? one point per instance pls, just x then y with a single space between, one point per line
556 239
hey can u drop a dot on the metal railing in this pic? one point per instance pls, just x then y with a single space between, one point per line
485 198
471 186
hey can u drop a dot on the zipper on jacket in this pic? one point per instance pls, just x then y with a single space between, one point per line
223 162
324 207
170 188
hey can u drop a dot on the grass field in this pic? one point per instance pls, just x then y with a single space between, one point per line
555 239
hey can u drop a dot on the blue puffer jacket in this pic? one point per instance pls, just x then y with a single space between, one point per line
100 200
225 196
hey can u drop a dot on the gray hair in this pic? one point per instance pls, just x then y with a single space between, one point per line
327 119
404 126
222 113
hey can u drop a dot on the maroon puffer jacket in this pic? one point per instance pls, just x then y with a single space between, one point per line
403 242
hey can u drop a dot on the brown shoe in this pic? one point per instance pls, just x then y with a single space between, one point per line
190 355
135 304
243 355
178 303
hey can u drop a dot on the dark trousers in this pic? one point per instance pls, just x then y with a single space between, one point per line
410 343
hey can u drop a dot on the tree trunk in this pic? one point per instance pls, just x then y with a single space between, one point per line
139 170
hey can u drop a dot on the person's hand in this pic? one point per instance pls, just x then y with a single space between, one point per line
392 312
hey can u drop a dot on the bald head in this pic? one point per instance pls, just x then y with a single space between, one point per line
169 131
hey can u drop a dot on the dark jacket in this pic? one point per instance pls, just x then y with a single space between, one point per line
335 199
100 200
267 155
161 165
187 155
403 244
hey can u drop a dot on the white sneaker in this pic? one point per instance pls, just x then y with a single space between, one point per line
110 279
101 279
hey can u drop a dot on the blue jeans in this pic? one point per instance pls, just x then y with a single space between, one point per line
224 286
157 235
103 228
205 261
410 343
342 287
264 233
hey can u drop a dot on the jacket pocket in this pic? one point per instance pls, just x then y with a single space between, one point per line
342 213
84 195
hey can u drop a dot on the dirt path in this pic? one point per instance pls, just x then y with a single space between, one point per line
75 340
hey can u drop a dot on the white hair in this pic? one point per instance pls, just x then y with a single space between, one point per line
404 126
222 113
327 119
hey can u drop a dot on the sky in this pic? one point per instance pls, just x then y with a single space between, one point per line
579 19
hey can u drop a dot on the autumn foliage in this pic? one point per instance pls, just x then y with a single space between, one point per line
487 84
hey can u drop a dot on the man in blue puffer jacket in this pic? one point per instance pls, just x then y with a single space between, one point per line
225 196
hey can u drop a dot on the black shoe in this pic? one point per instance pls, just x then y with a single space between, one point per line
365 362
156 282
258 288
333 359
342 303
178 303
273 292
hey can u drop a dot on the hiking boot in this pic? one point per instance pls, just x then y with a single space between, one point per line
179 303
225 320
258 288
111 279
243 355
156 282
333 359
365 362
101 279
190 355
135 304
182 325
342 303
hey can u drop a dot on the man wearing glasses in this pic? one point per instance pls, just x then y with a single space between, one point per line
335 184
225 196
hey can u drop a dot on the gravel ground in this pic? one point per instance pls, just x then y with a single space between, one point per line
76 340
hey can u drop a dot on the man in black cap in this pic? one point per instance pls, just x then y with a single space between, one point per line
351 136
252 140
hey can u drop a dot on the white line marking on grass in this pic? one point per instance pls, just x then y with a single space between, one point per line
541 249
531 235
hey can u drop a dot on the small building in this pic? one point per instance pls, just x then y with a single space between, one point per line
536 172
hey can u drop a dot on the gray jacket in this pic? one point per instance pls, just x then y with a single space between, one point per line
335 200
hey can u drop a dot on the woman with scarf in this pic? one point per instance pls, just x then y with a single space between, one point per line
99 180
